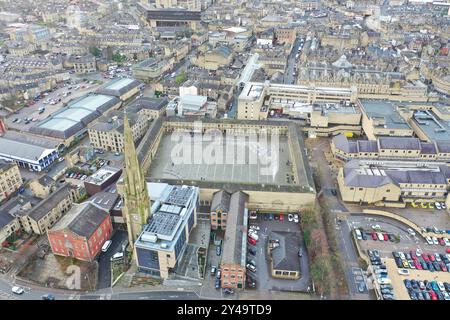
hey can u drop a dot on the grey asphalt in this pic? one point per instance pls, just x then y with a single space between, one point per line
104 260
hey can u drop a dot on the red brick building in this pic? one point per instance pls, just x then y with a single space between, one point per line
81 232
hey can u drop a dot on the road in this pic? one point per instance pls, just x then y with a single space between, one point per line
289 78
36 293
104 260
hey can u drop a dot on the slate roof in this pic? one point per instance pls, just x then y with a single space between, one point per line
285 256
427 148
234 248
82 219
399 143
221 201
46 205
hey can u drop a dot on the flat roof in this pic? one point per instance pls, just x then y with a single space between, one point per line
386 110
433 127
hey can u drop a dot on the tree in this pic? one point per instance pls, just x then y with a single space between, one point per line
96 52
117 57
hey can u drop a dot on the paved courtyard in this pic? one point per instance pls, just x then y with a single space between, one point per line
265 282
258 164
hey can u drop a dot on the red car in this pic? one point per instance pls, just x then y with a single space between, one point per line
418 265
425 257
413 254
441 242
443 266
374 236
432 257
447 250
385 236
281 217
251 241
433 295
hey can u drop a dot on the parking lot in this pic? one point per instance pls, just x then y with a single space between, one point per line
397 280
33 111
262 275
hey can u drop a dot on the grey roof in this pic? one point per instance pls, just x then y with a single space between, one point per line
46 181
43 207
370 177
75 116
148 103
5 219
105 200
427 148
399 143
367 146
236 231
443 146
221 201
82 219
425 177
119 86
353 178
285 256
20 149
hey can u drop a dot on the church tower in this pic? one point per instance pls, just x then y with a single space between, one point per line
136 209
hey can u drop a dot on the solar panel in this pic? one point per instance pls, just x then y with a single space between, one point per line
162 223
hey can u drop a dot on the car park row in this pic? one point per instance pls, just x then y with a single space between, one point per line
427 290
422 261
383 283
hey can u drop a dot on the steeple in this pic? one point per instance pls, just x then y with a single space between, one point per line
137 202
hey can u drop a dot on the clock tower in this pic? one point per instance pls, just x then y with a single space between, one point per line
136 210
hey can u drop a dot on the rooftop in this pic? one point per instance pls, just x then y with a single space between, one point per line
82 219
385 111
172 208
102 175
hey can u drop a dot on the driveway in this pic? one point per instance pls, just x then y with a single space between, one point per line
265 281
104 259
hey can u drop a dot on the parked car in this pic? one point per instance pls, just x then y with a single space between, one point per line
252 251
213 270
217 283
251 267
251 241
403 272
218 250
296 218
17 290
228 291
48 296
290 217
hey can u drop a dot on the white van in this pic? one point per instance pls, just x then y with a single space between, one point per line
106 245
117 256
358 234
253 235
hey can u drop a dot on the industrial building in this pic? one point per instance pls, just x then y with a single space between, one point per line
72 120
27 155
122 88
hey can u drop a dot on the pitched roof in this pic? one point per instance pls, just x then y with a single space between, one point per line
221 201
399 143
82 219
285 256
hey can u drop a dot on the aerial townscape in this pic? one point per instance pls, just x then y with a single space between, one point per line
224 150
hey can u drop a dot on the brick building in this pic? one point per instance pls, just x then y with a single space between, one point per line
81 233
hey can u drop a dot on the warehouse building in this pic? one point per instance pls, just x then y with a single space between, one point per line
122 88
71 121
27 155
